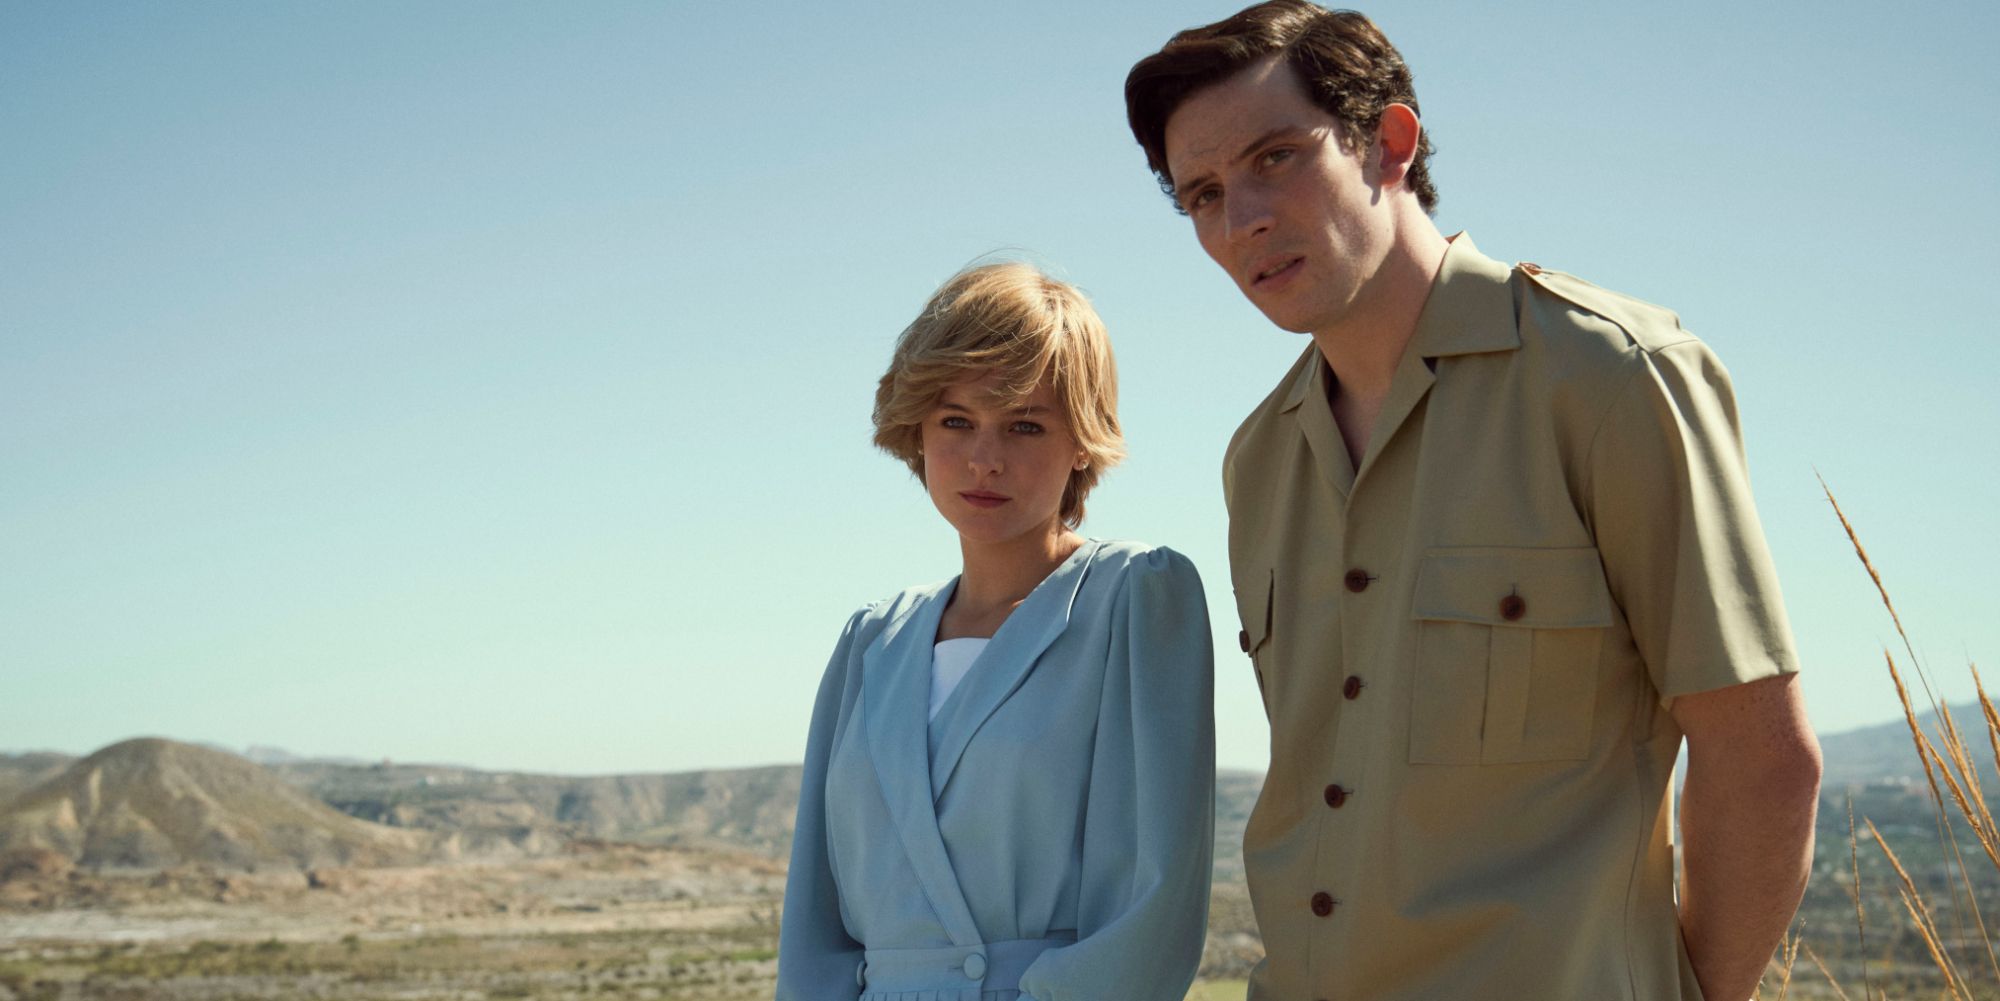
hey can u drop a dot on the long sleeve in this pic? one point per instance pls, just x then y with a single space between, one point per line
1149 819
817 958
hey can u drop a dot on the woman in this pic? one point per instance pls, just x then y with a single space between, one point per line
1009 780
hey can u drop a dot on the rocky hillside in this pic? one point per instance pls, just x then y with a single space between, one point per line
152 803
744 808
751 808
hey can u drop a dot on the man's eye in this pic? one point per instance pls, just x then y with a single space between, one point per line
1274 157
1203 197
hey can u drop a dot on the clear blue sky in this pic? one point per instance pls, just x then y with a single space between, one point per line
489 383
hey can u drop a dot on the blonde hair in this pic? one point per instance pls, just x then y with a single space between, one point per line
1010 319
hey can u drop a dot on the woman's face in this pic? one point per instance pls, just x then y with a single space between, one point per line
997 472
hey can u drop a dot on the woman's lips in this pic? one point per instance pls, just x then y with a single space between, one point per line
978 498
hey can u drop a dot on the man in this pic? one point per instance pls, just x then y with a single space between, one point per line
1495 556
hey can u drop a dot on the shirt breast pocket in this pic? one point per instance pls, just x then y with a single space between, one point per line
1508 643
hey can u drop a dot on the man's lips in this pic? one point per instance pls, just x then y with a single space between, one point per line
983 498
1270 271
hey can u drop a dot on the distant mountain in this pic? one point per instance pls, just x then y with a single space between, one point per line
266 755
1886 752
21 772
152 803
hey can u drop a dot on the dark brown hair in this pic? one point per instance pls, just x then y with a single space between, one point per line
1347 66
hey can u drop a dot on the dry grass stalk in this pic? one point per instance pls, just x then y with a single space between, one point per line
1921 914
1917 735
1828 974
1947 837
1973 808
1992 715
1952 983
1955 762
1873 575
1789 951
1860 915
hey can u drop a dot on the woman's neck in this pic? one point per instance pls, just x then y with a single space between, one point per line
999 576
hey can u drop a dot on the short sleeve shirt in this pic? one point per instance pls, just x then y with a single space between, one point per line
1467 646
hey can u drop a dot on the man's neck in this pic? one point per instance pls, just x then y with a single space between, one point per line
1364 350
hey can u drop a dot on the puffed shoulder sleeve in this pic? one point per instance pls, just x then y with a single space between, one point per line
1149 819
817 958
1683 552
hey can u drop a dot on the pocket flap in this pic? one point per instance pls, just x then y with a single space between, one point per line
1525 588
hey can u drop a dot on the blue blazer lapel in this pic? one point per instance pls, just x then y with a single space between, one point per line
895 701
1004 664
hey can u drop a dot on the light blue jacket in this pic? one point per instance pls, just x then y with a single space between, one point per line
1049 833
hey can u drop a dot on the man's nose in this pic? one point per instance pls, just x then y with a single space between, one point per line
1246 213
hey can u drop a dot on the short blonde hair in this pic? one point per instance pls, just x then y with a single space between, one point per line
1011 319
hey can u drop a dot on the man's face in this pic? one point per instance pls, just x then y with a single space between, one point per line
1297 222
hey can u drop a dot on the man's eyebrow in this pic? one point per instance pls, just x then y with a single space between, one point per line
1181 190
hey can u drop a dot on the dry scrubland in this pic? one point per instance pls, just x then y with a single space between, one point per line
425 882
603 921
600 921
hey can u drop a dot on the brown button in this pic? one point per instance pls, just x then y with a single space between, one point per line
1335 796
1353 687
1357 580
1322 903
1512 607
1243 639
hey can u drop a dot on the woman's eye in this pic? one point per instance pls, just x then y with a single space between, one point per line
1027 427
955 422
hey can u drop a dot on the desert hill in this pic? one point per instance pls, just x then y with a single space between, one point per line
152 803
22 772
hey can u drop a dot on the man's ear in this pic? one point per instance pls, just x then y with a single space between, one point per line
1396 139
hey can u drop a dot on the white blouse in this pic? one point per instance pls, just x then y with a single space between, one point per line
950 659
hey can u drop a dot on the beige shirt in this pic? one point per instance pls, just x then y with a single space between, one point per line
1467 647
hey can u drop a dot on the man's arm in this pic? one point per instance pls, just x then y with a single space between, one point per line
1747 814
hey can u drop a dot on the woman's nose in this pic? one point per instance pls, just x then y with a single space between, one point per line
985 455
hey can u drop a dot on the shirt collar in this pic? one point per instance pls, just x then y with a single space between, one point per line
1470 310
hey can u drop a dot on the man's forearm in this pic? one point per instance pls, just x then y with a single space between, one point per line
1746 851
